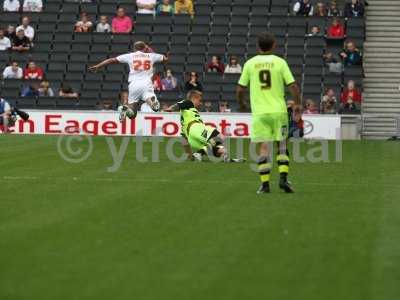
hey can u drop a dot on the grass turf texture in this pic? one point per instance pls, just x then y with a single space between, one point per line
196 230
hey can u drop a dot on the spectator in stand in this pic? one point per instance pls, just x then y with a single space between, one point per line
105 105
84 24
223 107
193 83
157 82
184 7
123 99
310 108
13 71
215 66
146 6
315 31
165 8
336 30
11 5
208 107
328 103
66 91
303 8
28 29
45 90
10 33
5 42
233 66
169 82
354 9
333 63
333 10
20 42
350 99
121 23
351 55
30 90
33 72
103 26
32 5
320 10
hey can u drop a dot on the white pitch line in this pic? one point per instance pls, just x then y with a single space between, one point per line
159 180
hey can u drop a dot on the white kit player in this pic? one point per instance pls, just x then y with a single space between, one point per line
140 78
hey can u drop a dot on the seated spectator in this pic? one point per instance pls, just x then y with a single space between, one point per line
184 7
146 6
103 26
193 83
30 90
303 8
328 103
45 90
233 66
66 91
84 24
157 82
28 30
208 107
13 71
5 42
105 105
315 31
320 10
333 64
351 55
169 82
223 107
165 8
336 30
215 65
121 23
310 108
10 32
333 10
354 9
33 72
20 42
32 5
11 5
350 99
123 98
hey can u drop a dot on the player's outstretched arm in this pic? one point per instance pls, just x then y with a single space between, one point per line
104 63
241 98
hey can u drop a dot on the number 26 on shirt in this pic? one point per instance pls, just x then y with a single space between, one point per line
141 65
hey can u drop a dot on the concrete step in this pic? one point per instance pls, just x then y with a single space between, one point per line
381 7
382 84
386 33
381 106
384 39
381 110
381 80
382 44
382 75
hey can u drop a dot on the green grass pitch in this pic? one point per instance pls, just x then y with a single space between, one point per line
196 230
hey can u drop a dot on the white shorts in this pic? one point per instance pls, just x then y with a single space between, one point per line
140 92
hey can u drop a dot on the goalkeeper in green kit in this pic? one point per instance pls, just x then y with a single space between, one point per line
267 75
201 140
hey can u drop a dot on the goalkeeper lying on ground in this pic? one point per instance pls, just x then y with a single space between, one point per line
200 139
